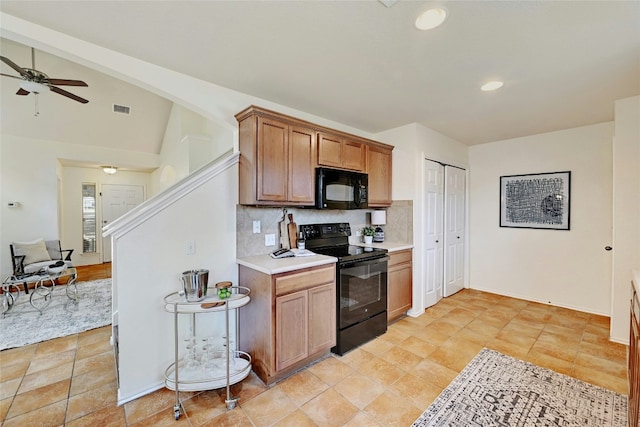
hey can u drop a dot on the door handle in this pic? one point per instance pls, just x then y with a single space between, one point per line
437 241
607 248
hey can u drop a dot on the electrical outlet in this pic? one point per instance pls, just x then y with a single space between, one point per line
191 247
269 239
256 227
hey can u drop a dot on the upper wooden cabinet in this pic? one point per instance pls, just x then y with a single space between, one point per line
277 162
279 155
379 169
342 153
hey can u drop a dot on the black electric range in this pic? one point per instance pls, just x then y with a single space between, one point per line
361 284
333 240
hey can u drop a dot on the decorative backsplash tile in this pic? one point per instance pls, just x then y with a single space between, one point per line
399 226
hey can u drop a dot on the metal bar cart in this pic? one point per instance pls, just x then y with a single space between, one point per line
222 368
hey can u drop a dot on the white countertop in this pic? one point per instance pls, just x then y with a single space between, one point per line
266 264
390 246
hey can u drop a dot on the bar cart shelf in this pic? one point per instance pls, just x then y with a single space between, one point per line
234 365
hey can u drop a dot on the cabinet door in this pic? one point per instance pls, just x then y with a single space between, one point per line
354 155
302 164
329 150
399 284
273 156
322 318
292 336
379 169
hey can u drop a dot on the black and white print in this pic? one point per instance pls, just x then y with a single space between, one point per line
535 200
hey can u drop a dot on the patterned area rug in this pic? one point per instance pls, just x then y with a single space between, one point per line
23 324
498 390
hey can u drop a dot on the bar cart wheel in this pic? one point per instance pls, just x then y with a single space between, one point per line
176 412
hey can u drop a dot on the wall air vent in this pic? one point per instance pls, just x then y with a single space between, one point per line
122 109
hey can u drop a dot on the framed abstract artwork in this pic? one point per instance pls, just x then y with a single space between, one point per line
539 200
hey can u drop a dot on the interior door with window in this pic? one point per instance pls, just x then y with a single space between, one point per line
117 199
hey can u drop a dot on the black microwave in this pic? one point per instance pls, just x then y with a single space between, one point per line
341 189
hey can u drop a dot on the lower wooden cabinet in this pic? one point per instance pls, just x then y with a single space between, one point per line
399 283
291 321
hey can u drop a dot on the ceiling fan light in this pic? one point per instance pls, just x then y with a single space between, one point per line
109 170
431 18
33 87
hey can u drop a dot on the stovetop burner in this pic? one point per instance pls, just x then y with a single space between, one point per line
333 240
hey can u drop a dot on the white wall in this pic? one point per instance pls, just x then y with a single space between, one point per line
147 264
190 141
626 207
72 179
413 143
564 268
29 171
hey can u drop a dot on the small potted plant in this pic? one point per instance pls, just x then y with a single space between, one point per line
368 233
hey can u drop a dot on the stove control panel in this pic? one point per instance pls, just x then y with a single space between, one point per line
326 231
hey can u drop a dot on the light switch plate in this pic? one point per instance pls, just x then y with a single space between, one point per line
269 239
191 247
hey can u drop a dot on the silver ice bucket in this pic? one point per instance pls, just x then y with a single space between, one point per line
194 284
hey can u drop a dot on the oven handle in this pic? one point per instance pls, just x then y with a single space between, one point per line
364 262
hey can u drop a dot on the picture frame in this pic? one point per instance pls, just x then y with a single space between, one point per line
537 200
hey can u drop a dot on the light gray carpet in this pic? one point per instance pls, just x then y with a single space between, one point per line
24 325
498 390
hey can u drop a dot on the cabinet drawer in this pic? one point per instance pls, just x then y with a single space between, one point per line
293 282
399 257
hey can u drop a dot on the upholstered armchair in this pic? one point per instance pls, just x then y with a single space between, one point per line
31 257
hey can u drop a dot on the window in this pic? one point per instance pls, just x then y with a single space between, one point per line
89 227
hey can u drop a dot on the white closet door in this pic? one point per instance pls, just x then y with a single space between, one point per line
454 224
433 235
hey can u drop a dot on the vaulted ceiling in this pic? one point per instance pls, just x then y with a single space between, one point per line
359 63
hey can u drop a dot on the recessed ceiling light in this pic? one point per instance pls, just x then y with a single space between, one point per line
492 85
431 18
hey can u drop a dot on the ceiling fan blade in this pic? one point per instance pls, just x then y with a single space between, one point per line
22 92
67 94
13 65
64 82
13 77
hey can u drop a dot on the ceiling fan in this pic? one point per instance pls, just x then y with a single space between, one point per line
35 81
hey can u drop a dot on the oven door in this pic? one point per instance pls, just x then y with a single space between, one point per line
362 290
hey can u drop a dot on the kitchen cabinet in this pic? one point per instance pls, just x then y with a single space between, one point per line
634 357
279 155
342 153
399 283
291 319
277 162
379 169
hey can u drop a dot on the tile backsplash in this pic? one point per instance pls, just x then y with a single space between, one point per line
399 227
